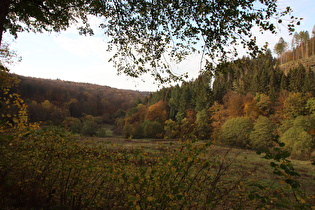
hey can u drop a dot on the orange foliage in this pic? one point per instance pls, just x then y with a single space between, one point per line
251 110
233 102
158 112
137 117
191 115
218 117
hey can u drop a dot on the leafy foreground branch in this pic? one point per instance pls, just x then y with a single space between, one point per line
48 168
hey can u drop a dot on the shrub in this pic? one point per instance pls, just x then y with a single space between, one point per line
102 132
73 124
49 169
89 128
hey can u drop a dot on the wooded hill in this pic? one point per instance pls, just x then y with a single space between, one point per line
250 102
54 100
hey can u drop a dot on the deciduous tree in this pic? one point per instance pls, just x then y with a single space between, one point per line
280 48
236 131
143 33
261 136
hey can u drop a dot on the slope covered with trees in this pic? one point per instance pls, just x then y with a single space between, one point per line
250 101
71 104
49 168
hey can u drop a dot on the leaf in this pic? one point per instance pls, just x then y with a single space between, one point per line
251 196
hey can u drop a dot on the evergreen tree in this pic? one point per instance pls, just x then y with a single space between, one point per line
173 102
297 78
309 82
284 82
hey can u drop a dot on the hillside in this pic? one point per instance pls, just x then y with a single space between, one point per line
49 99
251 101
308 63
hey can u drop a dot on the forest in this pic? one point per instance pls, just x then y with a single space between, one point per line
240 136
250 101
190 145
63 103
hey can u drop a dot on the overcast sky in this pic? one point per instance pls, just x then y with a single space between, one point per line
69 56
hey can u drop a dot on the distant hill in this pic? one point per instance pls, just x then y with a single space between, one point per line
74 99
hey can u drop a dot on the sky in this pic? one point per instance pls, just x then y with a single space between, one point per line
71 57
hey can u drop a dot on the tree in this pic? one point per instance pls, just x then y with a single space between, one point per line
203 127
305 37
294 105
172 129
280 48
143 33
158 112
153 129
236 131
44 15
261 136
296 40
89 128
297 78
298 140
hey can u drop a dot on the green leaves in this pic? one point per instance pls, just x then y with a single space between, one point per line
149 35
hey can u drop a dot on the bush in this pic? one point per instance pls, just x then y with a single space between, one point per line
89 128
153 129
49 169
102 132
236 131
73 124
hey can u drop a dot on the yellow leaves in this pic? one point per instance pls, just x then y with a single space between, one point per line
150 198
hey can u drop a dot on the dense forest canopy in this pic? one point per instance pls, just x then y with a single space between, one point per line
250 101
54 100
146 35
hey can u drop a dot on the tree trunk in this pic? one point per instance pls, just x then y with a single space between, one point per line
4 10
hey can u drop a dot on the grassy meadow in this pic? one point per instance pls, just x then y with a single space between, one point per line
52 169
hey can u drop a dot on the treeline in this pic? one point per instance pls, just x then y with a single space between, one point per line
302 46
249 102
58 102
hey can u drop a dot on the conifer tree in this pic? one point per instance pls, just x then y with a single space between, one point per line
297 78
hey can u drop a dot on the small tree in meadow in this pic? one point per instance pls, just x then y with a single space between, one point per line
89 128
